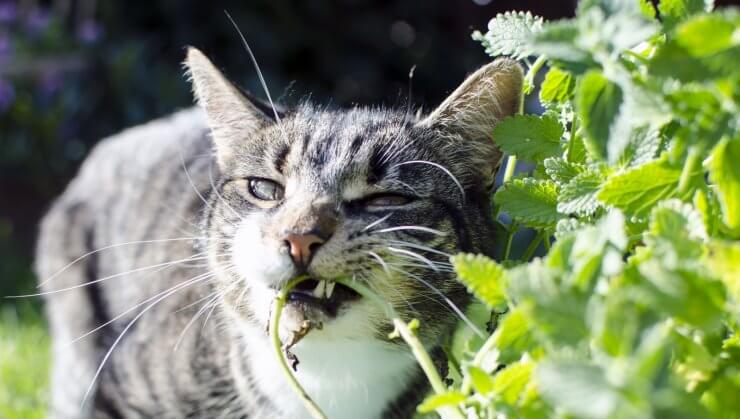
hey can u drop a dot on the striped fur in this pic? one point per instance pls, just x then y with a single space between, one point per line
166 210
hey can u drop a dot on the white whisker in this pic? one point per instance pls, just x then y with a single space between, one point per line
92 252
440 167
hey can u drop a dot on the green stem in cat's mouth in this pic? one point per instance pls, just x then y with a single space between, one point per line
403 329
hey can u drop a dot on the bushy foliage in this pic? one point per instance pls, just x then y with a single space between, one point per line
635 190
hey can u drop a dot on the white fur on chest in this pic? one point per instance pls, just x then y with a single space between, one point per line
347 378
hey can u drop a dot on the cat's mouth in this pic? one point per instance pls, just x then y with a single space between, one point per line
325 295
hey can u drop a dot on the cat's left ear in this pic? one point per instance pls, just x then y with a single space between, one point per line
232 115
464 121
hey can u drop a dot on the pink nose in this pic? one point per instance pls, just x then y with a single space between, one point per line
302 247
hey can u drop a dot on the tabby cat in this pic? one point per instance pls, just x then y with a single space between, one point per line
162 258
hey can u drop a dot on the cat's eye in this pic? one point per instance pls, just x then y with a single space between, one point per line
386 200
265 190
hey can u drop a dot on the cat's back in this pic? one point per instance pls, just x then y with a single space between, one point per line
139 154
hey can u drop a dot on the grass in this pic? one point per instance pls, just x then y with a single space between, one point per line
24 364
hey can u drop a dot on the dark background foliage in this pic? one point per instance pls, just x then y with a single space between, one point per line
73 72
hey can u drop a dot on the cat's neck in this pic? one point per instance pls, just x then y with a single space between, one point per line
347 378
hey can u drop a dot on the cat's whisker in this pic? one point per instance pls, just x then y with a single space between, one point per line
106 278
112 246
212 301
410 227
415 256
440 167
218 194
259 73
126 329
376 222
419 247
380 261
204 276
449 302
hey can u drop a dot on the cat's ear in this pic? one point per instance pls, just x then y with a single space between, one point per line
465 120
231 114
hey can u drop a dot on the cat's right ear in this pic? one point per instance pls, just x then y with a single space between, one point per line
231 115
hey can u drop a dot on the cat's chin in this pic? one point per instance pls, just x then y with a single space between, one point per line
313 303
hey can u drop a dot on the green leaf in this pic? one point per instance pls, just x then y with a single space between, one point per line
704 47
647 9
640 147
674 11
557 87
484 278
530 202
577 388
434 402
724 261
482 382
637 190
562 171
529 137
724 171
509 34
579 195
598 101
559 41
510 382
514 336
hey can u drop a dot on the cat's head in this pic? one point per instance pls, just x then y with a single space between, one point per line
377 195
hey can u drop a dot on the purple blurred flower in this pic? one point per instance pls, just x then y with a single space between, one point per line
50 82
8 11
38 20
5 45
90 32
7 95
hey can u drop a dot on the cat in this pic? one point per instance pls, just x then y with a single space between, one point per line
161 260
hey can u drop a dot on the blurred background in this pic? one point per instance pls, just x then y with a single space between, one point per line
73 72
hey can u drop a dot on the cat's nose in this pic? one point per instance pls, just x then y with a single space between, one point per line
302 247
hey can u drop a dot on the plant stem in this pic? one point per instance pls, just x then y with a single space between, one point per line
533 245
277 310
487 347
510 168
509 239
528 83
688 169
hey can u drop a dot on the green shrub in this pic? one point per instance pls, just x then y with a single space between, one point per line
633 312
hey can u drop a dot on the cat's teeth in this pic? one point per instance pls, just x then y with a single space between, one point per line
330 288
320 290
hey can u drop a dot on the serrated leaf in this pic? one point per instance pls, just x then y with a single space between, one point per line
641 146
509 34
530 202
704 47
510 382
637 190
674 11
557 87
577 388
485 278
561 170
434 402
579 195
482 382
514 336
724 171
598 101
529 137
559 41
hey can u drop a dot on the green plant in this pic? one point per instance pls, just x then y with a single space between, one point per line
635 192
634 310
